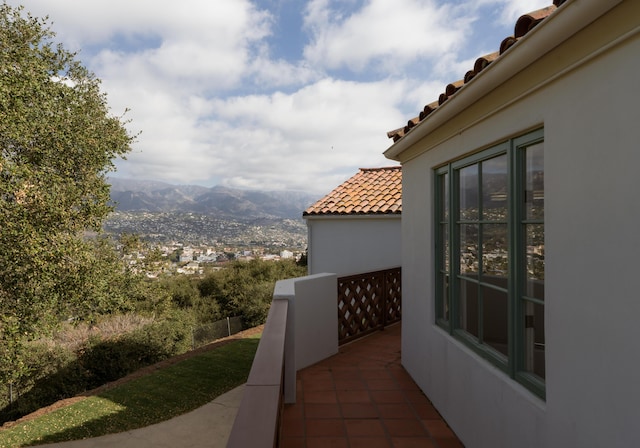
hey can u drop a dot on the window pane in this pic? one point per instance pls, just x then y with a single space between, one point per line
495 315
532 325
490 278
534 235
494 189
444 253
534 182
469 193
468 307
445 302
444 232
469 249
534 338
444 188
495 256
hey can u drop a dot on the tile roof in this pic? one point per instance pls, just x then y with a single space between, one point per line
372 191
524 24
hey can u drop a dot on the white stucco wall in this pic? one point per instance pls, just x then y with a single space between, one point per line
312 325
353 245
592 242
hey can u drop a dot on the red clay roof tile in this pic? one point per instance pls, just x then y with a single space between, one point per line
372 191
524 24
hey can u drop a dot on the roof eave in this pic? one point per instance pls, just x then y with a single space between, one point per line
551 32
351 215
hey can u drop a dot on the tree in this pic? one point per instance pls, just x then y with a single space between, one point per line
57 143
246 288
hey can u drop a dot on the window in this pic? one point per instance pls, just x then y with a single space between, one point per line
490 255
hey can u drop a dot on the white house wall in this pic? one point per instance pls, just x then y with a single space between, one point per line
592 240
351 245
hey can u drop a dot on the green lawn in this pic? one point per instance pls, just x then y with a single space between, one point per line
150 399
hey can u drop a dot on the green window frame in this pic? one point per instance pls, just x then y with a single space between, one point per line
489 255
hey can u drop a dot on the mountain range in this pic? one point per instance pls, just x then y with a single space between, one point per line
131 195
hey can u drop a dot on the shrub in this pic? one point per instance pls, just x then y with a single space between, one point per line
255 305
74 336
109 359
246 288
85 358
55 374
182 289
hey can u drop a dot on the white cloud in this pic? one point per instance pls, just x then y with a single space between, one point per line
214 106
508 11
96 21
312 139
281 73
513 9
194 41
382 33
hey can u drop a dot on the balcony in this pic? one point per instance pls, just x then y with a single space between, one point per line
306 389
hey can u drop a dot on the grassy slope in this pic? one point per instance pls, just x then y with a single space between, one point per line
149 399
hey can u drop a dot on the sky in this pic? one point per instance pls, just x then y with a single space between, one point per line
272 94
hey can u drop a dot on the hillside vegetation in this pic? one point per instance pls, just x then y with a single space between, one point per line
155 320
73 314
155 394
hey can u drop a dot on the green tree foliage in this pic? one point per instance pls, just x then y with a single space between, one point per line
165 316
246 288
57 142
183 291
102 285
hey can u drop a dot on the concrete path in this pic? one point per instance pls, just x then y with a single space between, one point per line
207 426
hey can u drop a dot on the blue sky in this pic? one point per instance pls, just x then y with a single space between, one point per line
273 94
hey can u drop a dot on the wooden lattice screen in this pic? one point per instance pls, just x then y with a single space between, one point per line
367 302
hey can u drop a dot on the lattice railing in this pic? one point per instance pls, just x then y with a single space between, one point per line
393 295
367 302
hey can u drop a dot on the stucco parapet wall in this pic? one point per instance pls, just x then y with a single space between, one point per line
286 289
256 423
312 323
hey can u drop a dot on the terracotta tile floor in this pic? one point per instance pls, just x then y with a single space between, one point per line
363 397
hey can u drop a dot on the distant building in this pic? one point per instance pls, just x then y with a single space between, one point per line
356 227
286 254
191 268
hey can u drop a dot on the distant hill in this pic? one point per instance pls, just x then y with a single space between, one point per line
129 195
